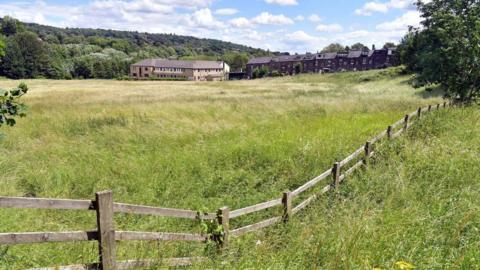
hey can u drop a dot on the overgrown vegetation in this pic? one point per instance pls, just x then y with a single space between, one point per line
415 207
446 50
182 145
36 51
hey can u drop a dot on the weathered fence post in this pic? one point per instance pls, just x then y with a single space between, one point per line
429 108
405 125
287 205
336 171
389 132
368 152
223 218
444 104
106 230
419 112
438 106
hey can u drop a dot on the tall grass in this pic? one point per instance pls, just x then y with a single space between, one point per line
417 203
186 145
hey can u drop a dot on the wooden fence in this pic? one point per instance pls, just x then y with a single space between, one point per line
105 208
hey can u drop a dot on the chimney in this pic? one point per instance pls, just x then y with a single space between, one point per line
373 47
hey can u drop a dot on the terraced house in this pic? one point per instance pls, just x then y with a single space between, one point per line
325 62
181 70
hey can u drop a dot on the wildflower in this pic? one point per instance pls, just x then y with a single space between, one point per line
403 265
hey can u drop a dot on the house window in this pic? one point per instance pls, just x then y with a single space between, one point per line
146 69
134 74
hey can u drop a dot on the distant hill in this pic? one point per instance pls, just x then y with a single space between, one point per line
100 53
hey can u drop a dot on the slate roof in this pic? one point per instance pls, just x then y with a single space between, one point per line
260 60
180 64
354 54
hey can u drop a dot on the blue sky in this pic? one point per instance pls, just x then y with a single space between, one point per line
279 25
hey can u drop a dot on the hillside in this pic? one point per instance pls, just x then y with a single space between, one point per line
65 53
417 203
184 145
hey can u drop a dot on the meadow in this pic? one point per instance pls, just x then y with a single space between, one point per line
201 146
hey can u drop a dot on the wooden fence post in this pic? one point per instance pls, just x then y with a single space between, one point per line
405 125
444 104
336 171
223 218
106 230
419 112
368 152
429 108
287 205
389 132
438 106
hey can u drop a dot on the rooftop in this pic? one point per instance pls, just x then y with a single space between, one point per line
180 64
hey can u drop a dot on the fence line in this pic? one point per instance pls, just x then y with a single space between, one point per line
105 208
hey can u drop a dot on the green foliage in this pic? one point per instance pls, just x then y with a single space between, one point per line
25 57
237 61
359 47
10 105
260 72
445 51
10 26
334 47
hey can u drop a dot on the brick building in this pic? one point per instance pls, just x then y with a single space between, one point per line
325 62
176 69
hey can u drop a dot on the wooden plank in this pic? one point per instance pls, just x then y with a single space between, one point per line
91 266
326 189
398 133
353 156
131 264
158 236
255 208
398 123
46 237
255 227
354 168
157 211
106 230
40 203
287 205
223 218
303 204
379 137
312 182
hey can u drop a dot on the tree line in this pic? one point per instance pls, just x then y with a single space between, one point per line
38 51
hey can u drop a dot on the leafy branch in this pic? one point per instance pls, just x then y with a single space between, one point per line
10 105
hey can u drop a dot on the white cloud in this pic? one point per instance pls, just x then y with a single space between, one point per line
369 8
240 22
299 18
410 18
314 18
203 18
299 36
267 18
329 28
226 11
283 2
299 41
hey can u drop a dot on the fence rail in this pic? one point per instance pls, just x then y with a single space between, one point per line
105 208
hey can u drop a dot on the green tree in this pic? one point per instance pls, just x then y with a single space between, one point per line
446 50
359 47
11 26
334 47
10 105
25 56
389 45
2 46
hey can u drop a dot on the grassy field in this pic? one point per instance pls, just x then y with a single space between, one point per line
417 203
191 145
